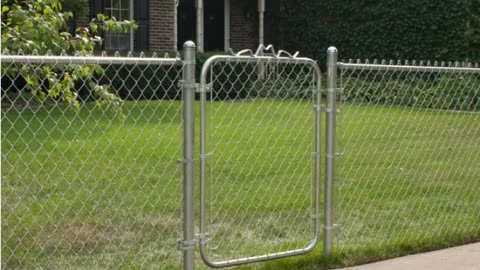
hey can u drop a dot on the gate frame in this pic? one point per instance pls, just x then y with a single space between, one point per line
259 58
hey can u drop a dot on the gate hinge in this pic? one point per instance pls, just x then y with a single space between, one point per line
328 110
186 84
185 161
318 108
336 155
193 85
206 88
186 245
335 227
323 109
203 238
335 90
206 156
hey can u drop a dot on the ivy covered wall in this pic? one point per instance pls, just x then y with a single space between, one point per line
391 29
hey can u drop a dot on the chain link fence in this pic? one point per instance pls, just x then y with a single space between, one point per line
92 179
409 177
91 187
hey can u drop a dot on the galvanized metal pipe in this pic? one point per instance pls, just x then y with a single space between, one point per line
81 60
318 151
203 156
263 258
332 55
188 243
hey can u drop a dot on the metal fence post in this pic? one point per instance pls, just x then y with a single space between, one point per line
330 150
188 94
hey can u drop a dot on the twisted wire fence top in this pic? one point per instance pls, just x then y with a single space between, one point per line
85 188
409 175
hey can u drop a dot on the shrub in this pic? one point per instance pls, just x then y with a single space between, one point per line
436 92
390 29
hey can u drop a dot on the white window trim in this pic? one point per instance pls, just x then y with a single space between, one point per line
131 16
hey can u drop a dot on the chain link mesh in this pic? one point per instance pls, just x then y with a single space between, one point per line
86 188
94 188
260 158
409 176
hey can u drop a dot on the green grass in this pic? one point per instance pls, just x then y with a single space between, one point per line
85 190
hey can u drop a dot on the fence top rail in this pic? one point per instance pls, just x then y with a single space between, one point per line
408 68
35 59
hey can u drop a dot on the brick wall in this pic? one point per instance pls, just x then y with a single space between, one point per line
162 25
243 24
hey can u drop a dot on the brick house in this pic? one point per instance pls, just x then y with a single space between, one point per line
164 25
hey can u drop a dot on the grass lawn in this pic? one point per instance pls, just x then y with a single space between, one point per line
85 190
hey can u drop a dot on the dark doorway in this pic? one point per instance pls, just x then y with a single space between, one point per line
214 24
185 22
214 18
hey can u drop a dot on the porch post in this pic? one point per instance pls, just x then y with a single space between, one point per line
261 13
227 24
200 36
131 17
175 23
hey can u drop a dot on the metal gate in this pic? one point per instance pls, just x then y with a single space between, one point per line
259 157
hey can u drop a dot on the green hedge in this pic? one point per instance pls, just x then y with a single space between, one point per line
135 82
233 81
442 92
391 29
132 82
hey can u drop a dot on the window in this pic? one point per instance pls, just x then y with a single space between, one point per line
121 10
137 10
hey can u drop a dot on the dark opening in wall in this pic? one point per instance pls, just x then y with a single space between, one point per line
214 24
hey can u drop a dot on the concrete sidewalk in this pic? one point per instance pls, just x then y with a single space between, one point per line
457 258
